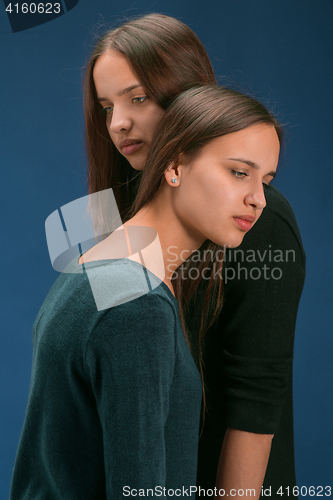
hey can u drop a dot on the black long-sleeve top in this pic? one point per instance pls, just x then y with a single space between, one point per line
248 354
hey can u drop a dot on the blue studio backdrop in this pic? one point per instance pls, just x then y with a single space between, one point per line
280 52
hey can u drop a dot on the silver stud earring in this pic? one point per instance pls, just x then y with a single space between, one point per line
173 180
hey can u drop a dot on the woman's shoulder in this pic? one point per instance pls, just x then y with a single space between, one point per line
278 204
143 312
128 290
117 282
106 298
106 284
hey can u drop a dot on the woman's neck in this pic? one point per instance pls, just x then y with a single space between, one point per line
177 242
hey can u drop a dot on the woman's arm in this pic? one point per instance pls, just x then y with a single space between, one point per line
242 465
130 359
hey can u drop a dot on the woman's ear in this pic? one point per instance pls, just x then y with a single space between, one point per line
172 174
174 171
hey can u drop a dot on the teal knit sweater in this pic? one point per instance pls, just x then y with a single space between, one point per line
114 398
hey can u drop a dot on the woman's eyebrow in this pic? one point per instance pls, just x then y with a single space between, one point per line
252 164
128 89
248 162
122 92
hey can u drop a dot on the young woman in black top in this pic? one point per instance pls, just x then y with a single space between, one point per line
248 354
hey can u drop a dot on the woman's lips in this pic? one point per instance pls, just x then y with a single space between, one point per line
244 224
129 146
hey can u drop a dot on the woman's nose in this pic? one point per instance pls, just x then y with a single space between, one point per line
120 121
256 198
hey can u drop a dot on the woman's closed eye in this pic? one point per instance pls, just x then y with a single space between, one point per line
238 174
242 175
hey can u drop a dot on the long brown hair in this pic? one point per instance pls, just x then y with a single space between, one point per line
168 58
194 118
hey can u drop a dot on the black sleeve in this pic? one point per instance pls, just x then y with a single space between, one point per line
251 347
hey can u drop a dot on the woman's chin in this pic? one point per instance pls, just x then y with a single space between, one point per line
232 242
137 161
136 164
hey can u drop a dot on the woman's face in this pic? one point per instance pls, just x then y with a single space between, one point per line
220 194
131 115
